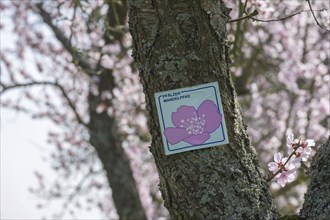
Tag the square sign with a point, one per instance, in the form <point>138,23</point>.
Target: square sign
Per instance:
<point>191,118</point>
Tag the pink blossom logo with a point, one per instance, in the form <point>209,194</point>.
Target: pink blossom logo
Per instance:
<point>194,126</point>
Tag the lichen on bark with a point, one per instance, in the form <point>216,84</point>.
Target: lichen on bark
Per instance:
<point>317,198</point>
<point>183,44</point>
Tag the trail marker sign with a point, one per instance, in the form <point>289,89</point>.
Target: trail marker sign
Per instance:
<point>191,118</point>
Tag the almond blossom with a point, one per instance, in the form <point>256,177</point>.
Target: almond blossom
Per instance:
<point>285,177</point>
<point>283,169</point>
<point>301,149</point>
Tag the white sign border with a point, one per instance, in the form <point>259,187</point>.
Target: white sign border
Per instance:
<point>160,95</point>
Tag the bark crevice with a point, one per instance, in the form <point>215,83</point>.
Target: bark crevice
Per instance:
<point>215,183</point>
<point>317,199</point>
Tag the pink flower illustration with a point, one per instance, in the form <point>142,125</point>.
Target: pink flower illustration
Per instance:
<point>193,126</point>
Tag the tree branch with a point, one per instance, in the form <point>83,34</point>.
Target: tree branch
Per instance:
<point>70,103</point>
<point>76,192</point>
<point>254,13</point>
<point>317,22</point>
<point>43,83</point>
<point>282,18</point>
<point>286,17</point>
<point>65,41</point>
<point>20,85</point>
<point>292,97</point>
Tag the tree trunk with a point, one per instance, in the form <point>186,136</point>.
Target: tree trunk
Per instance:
<point>102,128</point>
<point>104,137</point>
<point>317,198</point>
<point>104,134</point>
<point>179,44</point>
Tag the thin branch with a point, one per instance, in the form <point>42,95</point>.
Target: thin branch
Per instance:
<point>64,40</point>
<point>76,192</point>
<point>43,83</point>
<point>245,4</point>
<point>73,20</point>
<point>254,13</point>
<point>20,85</point>
<point>311,91</point>
<point>286,17</point>
<point>317,22</point>
<point>287,160</point>
<point>70,103</point>
<point>292,97</point>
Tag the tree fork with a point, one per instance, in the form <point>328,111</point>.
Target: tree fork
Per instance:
<point>179,44</point>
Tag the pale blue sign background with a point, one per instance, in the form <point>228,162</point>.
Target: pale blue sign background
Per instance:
<point>169,101</point>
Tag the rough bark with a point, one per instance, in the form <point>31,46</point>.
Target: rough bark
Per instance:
<point>180,43</point>
<point>317,198</point>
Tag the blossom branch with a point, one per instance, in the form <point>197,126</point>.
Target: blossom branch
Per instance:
<point>64,40</point>
<point>73,20</point>
<point>279,171</point>
<point>245,4</point>
<point>20,85</point>
<point>284,18</point>
<point>70,103</point>
<point>317,22</point>
<point>292,100</point>
<point>284,171</point>
<point>254,13</point>
<point>76,191</point>
<point>45,83</point>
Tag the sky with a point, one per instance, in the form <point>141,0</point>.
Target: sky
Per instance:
<point>23,146</point>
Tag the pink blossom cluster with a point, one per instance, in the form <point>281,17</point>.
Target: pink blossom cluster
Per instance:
<point>281,69</point>
<point>281,75</point>
<point>284,168</point>
<point>33,54</point>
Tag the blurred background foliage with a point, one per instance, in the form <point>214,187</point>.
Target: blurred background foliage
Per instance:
<point>62,53</point>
